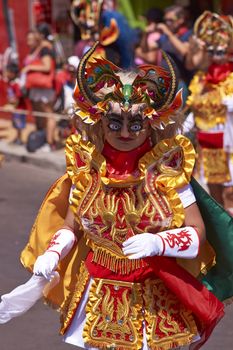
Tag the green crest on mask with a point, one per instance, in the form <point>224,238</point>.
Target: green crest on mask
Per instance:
<point>127,93</point>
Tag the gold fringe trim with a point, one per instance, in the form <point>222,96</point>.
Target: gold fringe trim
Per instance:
<point>115,263</point>
<point>173,344</point>
<point>72,301</point>
<point>96,344</point>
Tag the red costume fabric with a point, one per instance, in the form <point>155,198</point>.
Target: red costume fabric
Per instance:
<point>218,72</point>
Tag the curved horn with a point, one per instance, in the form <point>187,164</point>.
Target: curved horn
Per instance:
<point>173,85</point>
<point>81,79</point>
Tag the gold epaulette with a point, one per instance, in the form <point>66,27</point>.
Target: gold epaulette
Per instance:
<point>226,86</point>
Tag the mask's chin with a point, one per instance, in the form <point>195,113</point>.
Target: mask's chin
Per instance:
<point>123,146</point>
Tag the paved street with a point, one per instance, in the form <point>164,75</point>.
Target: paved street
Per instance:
<point>22,188</point>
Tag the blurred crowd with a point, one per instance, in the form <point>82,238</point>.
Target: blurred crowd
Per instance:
<point>43,85</point>
<point>45,82</point>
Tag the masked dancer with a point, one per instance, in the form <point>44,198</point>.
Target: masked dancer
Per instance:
<point>123,227</point>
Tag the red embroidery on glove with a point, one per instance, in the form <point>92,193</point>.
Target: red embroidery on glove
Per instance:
<point>53,240</point>
<point>181,239</point>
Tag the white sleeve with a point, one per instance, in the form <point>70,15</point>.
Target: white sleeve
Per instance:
<point>187,196</point>
<point>189,123</point>
<point>23,297</point>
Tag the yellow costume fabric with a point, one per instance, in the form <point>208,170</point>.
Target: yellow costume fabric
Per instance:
<point>49,219</point>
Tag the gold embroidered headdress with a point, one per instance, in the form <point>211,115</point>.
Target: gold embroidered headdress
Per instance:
<point>215,30</point>
<point>154,86</point>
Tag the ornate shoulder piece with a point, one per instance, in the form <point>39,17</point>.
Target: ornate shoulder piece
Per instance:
<point>167,168</point>
<point>195,87</point>
<point>81,156</point>
<point>78,156</point>
<point>226,86</point>
<point>82,160</point>
<point>78,160</point>
<point>176,159</point>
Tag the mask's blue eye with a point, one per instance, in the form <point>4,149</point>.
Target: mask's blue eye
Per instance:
<point>114,126</point>
<point>135,127</point>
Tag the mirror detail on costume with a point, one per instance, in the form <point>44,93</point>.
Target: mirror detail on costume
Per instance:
<point>122,227</point>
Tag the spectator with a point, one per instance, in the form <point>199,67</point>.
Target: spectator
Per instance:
<point>147,51</point>
<point>66,80</point>
<point>109,27</point>
<point>45,34</point>
<point>52,41</point>
<point>68,88</point>
<point>175,38</point>
<point>197,56</point>
<point>39,69</point>
<point>16,100</point>
<point>123,47</point>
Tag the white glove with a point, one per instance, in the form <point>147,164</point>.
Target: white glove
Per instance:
<point>142,246</point>
<point>23,297</point>
<point>179,243</point>
<point>45,265</point>
<point>228,102</point>
<point>59,246</point>
<point>188,123</point>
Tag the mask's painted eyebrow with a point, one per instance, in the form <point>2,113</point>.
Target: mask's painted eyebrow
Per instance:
<point>136,117</point>
<point>115,116</point>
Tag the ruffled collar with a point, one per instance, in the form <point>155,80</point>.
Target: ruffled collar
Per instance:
<point>218,72</point>
<point>121,164</point>
<point>113,170</point>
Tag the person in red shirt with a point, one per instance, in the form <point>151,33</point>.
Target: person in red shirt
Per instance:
<point>16,99</point>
